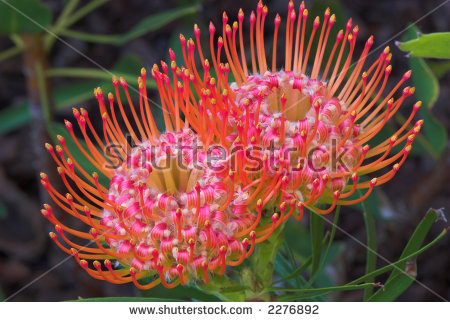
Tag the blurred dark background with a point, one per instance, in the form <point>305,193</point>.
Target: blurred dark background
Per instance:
<point>26,252</point>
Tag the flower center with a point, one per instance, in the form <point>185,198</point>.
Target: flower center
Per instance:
<point>174,208</point>
<point>311,131</point>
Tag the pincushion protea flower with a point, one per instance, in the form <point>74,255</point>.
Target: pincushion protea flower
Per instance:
<point>310,129</point>
<point>279,131</point>
<point>171,210</point>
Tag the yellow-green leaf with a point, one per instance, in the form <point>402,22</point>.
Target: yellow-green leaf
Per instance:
<point>435,45</point>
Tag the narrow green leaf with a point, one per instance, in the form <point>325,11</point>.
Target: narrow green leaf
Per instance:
<point>293,264</point>
<point>147,25</point>
<point>84,11</point>
<point>404,275</point>
<point>13,117</point>
<point>392,289</point>
<point>23,17</point>
<point>125,299</point>
<point>49,38</point>
<point>297,272</point>
<point>317,228</point>
<point>402,261</point>
<point>371,252</point>
<point>435,45</point>
<point>157,21</point>
<point>306,262</point>
<point>417,238</point>
<point>308,293</point>
<point>10,52</point>
<point>327,250</point>
<point>72,95</point>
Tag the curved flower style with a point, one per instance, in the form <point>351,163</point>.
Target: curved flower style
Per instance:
<point>311,129</point>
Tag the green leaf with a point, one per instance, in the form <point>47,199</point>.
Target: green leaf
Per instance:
<point>157,21</point>
<point>16,116</point>
<point>307,261</point>
<point>418,236</point>
<point>10,52</point>
<point>435,131</point>
<point>297,272</point>
<point>371,252</point>
<point>147,25</point>
<point>427,90</point>
<point>427,86</point>
<point>301,294</point>
<point>317,228</point>
<point>439,69</point>
<point>23,17</point>
<point>324,259</point>
<point>13,117</point>
<point>72,95</point>
<point>288,270</point>
<point>125,299</point>
<point>404,275</point>
<point>436,45</point>
<point>392,289</point>
<point>83,11</point>
<point>404,270</point>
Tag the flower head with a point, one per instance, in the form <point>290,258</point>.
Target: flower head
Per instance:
<point>310,121</point>
<point>191,200</point>
<point>171,210</point>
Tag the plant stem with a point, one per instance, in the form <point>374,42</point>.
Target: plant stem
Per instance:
<point>40,106</point>
<point>10,52</point>
<point>49,40</point>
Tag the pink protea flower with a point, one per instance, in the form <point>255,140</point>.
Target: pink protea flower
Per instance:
<point>309,124</point>
<point>268,140</point>
<point>171,210</point>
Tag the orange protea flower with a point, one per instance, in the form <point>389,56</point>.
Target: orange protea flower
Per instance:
<point>310,130</point>
<point>200,196</point>
<point>173,209</point>
<point>165,211</point>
